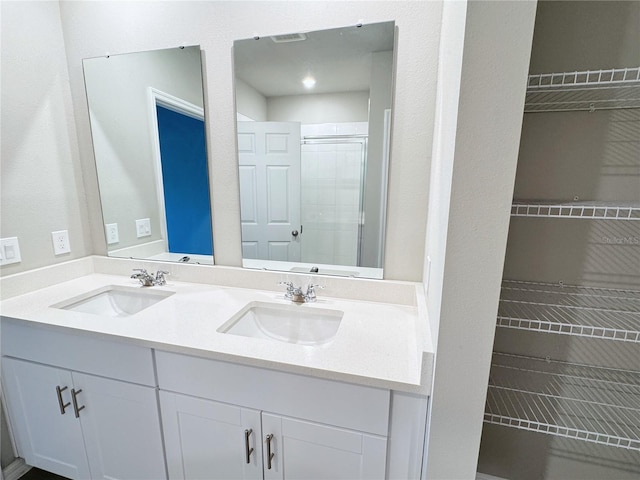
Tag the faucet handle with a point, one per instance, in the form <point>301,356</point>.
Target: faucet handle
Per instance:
<point>141,273</point>
<point>290,289</point>
<point>310,296</point>
<point>160,280</point>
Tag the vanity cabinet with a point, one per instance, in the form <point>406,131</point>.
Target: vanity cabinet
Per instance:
<point>310,450</point>
<point>70,421</point>
<point>223,420</point>
<point>207,439</point>
<point>46,438</point>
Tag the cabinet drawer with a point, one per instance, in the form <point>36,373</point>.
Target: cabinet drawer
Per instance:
<point>57,347</point>
<point>350,406</point>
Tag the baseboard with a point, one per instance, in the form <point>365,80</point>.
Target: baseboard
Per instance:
<point>484,476</point>
<point>15,470</point>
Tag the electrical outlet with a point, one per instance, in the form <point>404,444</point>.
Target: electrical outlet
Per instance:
<point>61,242</point>
<point>112,233</point>
<point>143,227</point>
<point>9,251</point>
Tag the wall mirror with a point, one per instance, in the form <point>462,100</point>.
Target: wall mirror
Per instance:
<point>147,124</point>
<point>314,126</point>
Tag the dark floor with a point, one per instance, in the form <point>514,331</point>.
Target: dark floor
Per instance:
<point>37,474</point>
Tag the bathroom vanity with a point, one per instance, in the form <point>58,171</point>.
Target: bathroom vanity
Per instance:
<point>171,391</point>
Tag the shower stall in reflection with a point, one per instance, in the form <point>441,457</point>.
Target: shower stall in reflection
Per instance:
<point>332,195</point>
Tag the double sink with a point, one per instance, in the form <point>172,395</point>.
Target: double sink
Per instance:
<point>290,323</point>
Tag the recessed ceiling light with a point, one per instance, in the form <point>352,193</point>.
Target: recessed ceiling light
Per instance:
<point>309,82</point>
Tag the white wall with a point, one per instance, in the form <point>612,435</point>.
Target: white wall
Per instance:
<point>484,150</point>
<point>562,46</point>
<point>250,102</point>
<point>42,188</point>
<point>444,149</point>
<point>93,28</point>
<point>319,108</point>
<point>118,93</point>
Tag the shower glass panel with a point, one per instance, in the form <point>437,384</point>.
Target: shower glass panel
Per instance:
<point>332,181</point>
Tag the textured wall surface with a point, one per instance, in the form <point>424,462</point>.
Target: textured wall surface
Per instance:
<point>42,188</point>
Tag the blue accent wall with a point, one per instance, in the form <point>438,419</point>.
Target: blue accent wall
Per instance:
<point>185,182</point>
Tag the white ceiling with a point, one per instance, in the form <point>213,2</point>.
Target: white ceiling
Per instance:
<point>339,59</point>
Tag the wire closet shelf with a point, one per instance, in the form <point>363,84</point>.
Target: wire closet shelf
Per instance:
<point>570,310</point>
<point>588,90</point>
<point>592,404</point>
<point>592,210</point>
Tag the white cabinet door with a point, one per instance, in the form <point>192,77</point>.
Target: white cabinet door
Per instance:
<point>304,450</point>
<point>121,426</point>
<point>208,440</point>
<point>46,438</point>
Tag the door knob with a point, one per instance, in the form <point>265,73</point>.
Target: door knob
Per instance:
<point>294,233</point>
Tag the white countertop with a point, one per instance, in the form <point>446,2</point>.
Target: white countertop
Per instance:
<point>377,344</point>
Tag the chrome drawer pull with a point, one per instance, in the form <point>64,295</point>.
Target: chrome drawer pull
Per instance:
<point>76,409</point>
<point>61,403</point>
<point>248,451</point>
<point>269,454</point>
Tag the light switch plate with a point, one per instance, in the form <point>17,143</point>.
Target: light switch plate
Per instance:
<point>143,227</point>
<point>9,251</point>
<point>111,230</point>
<point>60,242</point>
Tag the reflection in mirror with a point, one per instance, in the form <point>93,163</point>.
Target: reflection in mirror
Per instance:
<point>314,123</point>
<point>147,123</point>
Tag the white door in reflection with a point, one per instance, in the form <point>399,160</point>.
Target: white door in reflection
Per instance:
<point>269,161</point>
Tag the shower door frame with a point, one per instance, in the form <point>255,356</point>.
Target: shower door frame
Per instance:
<point>362,139</point>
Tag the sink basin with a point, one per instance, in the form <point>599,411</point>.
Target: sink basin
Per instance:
<point>114,301</point>
<point>285,323</point>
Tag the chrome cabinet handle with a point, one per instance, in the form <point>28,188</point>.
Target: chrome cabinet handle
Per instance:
<point>269,454</point>
<point>294,233</point>
<point>61,403</point>
<point>247,449</point>
<point>74,395</point>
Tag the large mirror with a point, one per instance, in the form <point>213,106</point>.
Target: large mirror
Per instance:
<point>147,123</point>
<point>314,125</point>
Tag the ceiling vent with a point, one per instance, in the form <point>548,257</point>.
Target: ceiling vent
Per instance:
<point>289,37</point>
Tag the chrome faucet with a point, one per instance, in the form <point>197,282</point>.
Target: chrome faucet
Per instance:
<point>148,280</point>
<point>296,295</point>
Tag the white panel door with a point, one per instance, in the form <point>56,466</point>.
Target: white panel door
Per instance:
<point>305,450</point>
<point>121,426</point>
<point>208,440</point>
<point>46,438</point>
<point>269,158</point>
